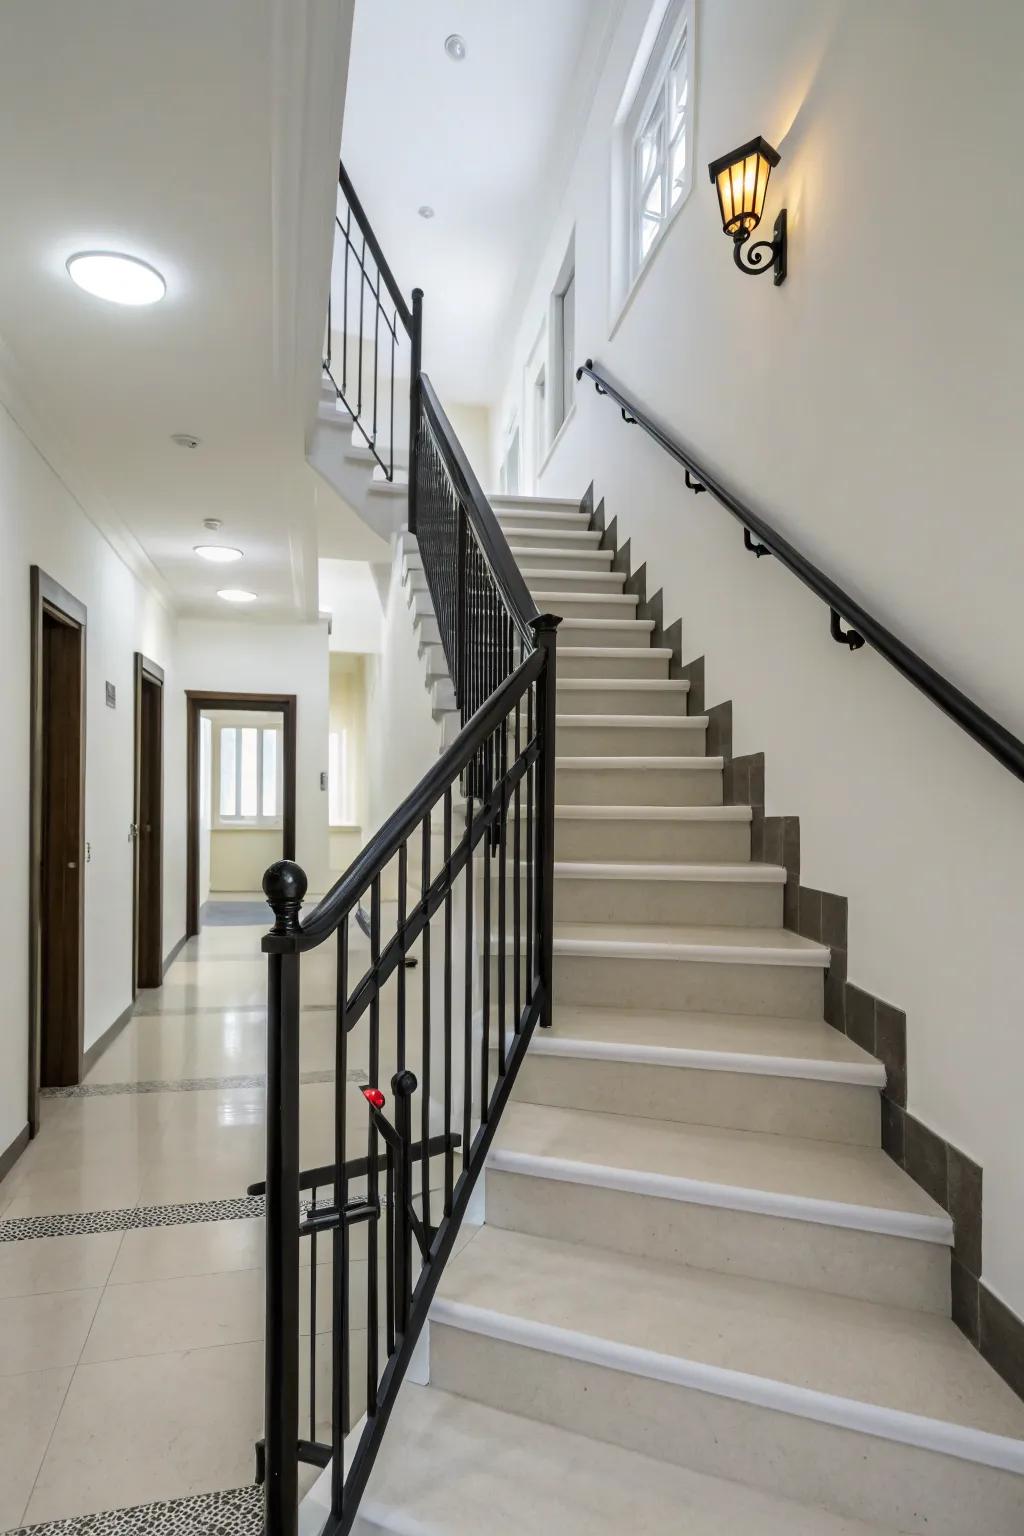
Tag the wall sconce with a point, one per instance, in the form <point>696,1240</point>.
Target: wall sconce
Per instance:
<point>741,181</point>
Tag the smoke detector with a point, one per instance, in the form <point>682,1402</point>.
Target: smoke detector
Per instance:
<point>455,47</point>
<point>212,524</point>
<point>184,440</point>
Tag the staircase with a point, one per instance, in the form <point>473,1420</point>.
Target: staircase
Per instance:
<point>703,1300</point>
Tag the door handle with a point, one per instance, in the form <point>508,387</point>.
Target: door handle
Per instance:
<point>72,864</point>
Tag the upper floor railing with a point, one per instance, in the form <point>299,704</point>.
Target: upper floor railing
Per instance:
<point>760,538</point>
<point>380,1163</point>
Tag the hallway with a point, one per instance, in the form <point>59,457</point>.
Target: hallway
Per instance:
<point>131,1282</point>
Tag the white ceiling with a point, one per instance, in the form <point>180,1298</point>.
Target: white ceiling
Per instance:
<point>176,132</point>
<point>482,142</point>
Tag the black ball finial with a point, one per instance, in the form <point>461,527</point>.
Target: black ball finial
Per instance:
<point>284,886</point>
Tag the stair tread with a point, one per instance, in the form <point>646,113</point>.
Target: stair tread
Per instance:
<point>626,684</point>
<point>458,1467</point>
<point>777,946</point>
<point>756,1161</point>
<point>617,869</point>
<point>890,1357</point>
<point>650,812</point>
<point>636,722</point>
<point>797,1040</point>
<point>587,764</point>
<point>626,652</point>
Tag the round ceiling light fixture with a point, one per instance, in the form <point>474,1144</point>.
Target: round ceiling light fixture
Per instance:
<point>425,211</point>
<point>115,277</point>
<point>236,595</point>
<point>217,554</point>
<point>186,440</point>
<point>455,47</point>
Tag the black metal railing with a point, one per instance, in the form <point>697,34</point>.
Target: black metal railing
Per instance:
<point>760,538</point>
<point>376,331</point>
<point>460,879</point>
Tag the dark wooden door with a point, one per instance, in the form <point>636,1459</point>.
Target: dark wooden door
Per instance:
<point>61,887</point>
<point>149,711</point>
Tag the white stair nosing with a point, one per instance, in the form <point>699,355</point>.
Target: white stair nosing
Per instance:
<point>597,555</point>
<point>626,685</point>
<point>880,1220</point>
<point>559,504</point>
<point>555,573</point>
<point>939,1436</point>
<point>636,722</point>
<point>653,812</point>
<point>868,1074</point>
<point>621,599</point>
<point>718,874</point>
<point>814,956</point>
<point>617,764</point>
<point>620,652</point>
<point>618,625</point>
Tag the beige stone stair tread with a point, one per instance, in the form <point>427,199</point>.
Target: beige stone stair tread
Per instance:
<point>756,1161</point>
<point>894,1358</point>
<point>453,1467</point>
<point>769,945</point>
<point>795,1039</point>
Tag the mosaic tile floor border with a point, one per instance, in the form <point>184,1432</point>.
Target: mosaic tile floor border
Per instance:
<point>190,1084</point>
<point>129,1218</point>
<point>234,1512</point>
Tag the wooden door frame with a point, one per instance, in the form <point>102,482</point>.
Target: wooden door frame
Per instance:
<point>47,595</point>
<point>144,668</point>
<point>196,700</point>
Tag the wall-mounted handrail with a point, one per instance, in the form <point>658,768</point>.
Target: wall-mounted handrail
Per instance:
<point>865,629</point>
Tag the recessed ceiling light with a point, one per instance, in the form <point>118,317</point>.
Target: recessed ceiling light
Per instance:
<point>236,595</point>
<point>219,554</point>
<point>425,211</point>
<point>455,47</point>
<point>119,279</point>
<point>186,440</point>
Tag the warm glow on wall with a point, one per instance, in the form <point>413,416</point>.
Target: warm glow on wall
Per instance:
<point>741,181</point>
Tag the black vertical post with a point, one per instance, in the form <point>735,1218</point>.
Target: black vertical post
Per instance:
<point>284,885</point>
<point>546,630</point>
<point>415,360</point>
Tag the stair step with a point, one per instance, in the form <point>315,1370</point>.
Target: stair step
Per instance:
<point>734,895</point>
<point>611,696</point>
<point>664,833</point>
<point>585,558</point>
<point>587,605</point>
<point>876,1412</point>
<point>556,579</point>
<point>509,1475</point>
<point>612,661</point>
<point>638,781</point>
<point>537,534</point>
<point>791,1077</point>
<point>608,735</point>
<point>620,633</point>
<point>526,519</point>
<point>810,1212</point>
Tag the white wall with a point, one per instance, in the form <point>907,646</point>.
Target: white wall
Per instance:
<point>42,524</point>
<point>349,594</point>
<point>871,406</point>
<point>238,655</point>
<point>205,804</point>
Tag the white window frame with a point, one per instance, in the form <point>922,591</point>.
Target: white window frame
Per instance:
<point>562,329</point>
<point>341,781</point>
<point>224,821</point>
<point>647,99</point>
<point>511,470</point>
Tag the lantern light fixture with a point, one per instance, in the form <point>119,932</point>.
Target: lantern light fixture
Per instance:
<point>741,181</point>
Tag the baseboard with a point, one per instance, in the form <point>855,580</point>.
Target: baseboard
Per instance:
<point>174,953</point>
<point>9,1156</point>
<point>109,1035</point>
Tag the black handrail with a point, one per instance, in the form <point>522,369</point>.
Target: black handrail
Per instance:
<point>398,298</point>
<point>1006,748</point>
<point>492,542</point>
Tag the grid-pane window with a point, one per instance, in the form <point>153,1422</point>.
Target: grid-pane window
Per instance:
<point>660,138</point>
<point>249,774</point>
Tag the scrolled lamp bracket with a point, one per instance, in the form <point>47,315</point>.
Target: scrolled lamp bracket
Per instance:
<point>763,255</point>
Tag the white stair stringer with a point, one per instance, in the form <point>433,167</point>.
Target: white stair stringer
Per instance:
<point>703,1299</point>
<point>431,652</point>
<point>338,453</point>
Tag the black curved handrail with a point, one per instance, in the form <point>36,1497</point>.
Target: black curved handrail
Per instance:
<point>373,244</point>
<point>1006,748</point>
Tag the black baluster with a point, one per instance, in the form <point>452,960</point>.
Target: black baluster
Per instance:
<point>425,1063</point>
<point>340,1365</point>
<point>467,1022</point>
<point>373,1174</point>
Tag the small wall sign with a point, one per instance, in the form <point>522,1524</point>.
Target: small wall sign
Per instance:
<point>111,696</point>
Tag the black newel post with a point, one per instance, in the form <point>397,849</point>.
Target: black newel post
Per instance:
<point>284,886</point>
<point>546,630</point>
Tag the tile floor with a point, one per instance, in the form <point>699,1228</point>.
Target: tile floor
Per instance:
<point>131,1359</point>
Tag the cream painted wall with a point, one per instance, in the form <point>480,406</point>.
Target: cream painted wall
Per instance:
<point>871,406</point>
<point>348,713</point>
<point>270,658</point>
<point>240,855</point>
<point>41,523</point>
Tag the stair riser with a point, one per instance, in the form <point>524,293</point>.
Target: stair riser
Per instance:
<point>553,538</point>
<point>867,1266</point>
<point>638,786</point>
<point>780,991</point>
<point>636,636</point>
<point>621,701</point>
<point>586,740</point>
<point>729,903</point>
<point>862,1476</point>
<point>586,583</point>
<point>428,631</point>
<point>638,666</point>
<point>571,605</point>
<point>582,563</point>
<point>525,523</point>
<point>669,842</point>
<point>741,1101</point>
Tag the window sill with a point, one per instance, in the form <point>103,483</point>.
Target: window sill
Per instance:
<point>570,413</point>
<point>345,826</point>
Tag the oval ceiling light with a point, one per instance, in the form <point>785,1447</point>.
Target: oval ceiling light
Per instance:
<point>236,595</point>
<point>118,279</point>
<point>455,47</point>
<point>425,211</point>
<point>218,554</point>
